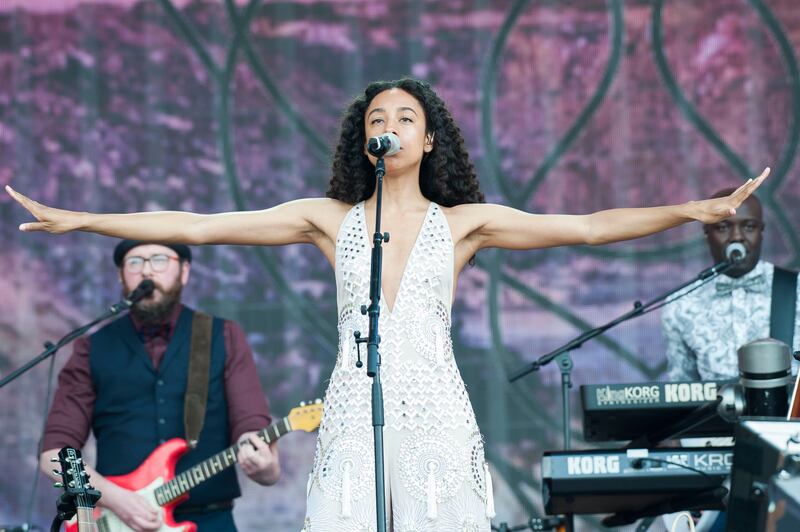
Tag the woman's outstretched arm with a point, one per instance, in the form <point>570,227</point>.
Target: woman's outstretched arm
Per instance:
<point>299,221</point>
<point>504,227</point>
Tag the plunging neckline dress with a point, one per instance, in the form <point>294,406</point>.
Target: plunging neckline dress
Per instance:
<point>436,475</point>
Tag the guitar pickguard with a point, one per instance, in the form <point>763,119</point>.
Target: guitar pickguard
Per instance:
<point>107,521</point>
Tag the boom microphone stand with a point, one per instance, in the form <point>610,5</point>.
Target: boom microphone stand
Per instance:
<point>377,146</point>
<point>144,289</point>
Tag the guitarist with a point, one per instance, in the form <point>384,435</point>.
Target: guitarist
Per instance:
<point>127,382</point>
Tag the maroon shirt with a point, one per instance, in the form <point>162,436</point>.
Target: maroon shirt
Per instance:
<point>70,417</point>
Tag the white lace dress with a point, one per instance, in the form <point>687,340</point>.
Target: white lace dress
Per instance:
<point>436,475</point>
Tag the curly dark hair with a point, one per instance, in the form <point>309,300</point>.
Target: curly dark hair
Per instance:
<point>446,175</point>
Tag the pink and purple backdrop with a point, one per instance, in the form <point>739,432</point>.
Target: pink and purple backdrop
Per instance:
<point>566,106</point>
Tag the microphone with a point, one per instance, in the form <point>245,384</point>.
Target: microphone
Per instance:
<point>382,145</point>
<point>735,252</point>
<point>144,289</point>
<point>765,371</point>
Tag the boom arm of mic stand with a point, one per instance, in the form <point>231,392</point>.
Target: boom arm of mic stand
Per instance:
<point>637,310</point>
<point>573,344</point>
<point>51,349</point>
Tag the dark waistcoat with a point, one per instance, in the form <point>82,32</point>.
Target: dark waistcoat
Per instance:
<point>138,407</point>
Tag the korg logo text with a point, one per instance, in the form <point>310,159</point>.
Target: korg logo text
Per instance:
<point>628,395</point>
<point>690,392</point>
<point>592,465</point>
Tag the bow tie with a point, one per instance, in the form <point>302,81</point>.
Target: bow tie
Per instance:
<point>756,283</point>
<point>156,330</point>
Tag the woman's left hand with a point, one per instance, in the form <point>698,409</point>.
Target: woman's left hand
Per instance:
<point>713,210</point>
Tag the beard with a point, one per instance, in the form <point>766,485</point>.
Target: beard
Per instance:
<point>150,312</point>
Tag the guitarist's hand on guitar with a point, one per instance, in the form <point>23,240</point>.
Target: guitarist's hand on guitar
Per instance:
<point>258,460</point>
<point>132,508</point>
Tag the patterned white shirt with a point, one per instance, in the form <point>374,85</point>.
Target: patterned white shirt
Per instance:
<point>704,329</point>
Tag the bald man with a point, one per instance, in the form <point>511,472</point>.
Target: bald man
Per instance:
<point>704,329</point>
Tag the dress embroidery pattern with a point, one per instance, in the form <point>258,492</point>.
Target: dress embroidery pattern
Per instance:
<point>477,462</point>
<point>430,331</point>
<point>345,469</point>
<point>431,467</point>
<point>433,454</point>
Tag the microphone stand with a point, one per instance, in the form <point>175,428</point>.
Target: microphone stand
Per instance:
<point>51,348</point>
<point>373,340</point>
<point>565,364</point>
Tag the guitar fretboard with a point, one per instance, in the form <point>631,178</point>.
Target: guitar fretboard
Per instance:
<point>84,508</point>
<point>221,461</point>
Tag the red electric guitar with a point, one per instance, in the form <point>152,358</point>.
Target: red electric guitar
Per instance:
<point>155,479</point>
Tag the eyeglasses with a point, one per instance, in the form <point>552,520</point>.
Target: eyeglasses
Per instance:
<point>159,263</point>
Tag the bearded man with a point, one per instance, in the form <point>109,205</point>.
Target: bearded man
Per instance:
<point>128,381</point>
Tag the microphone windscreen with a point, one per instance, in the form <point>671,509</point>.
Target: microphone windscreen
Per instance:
<point>735,252</point>
<point>383,145</point>
<point>144,289</point>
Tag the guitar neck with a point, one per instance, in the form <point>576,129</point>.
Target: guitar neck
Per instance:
<point>214,465</point>
<point>85,518</point>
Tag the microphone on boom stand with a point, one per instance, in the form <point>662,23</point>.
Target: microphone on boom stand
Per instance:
<point>144,289</point>
<point>735,252</point>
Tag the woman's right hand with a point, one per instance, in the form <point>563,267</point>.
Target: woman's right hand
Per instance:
<point>49,219</point>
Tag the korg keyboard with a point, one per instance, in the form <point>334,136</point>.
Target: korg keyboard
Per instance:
<point>602,481</point>
<point>620,412</point>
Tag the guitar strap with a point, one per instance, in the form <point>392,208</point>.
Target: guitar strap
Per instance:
<point>194,402</point>
<point>784,305</point>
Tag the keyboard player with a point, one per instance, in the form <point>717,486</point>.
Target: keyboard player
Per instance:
<point>703,329</point>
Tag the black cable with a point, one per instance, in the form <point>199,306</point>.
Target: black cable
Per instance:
<point>669,462</point>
